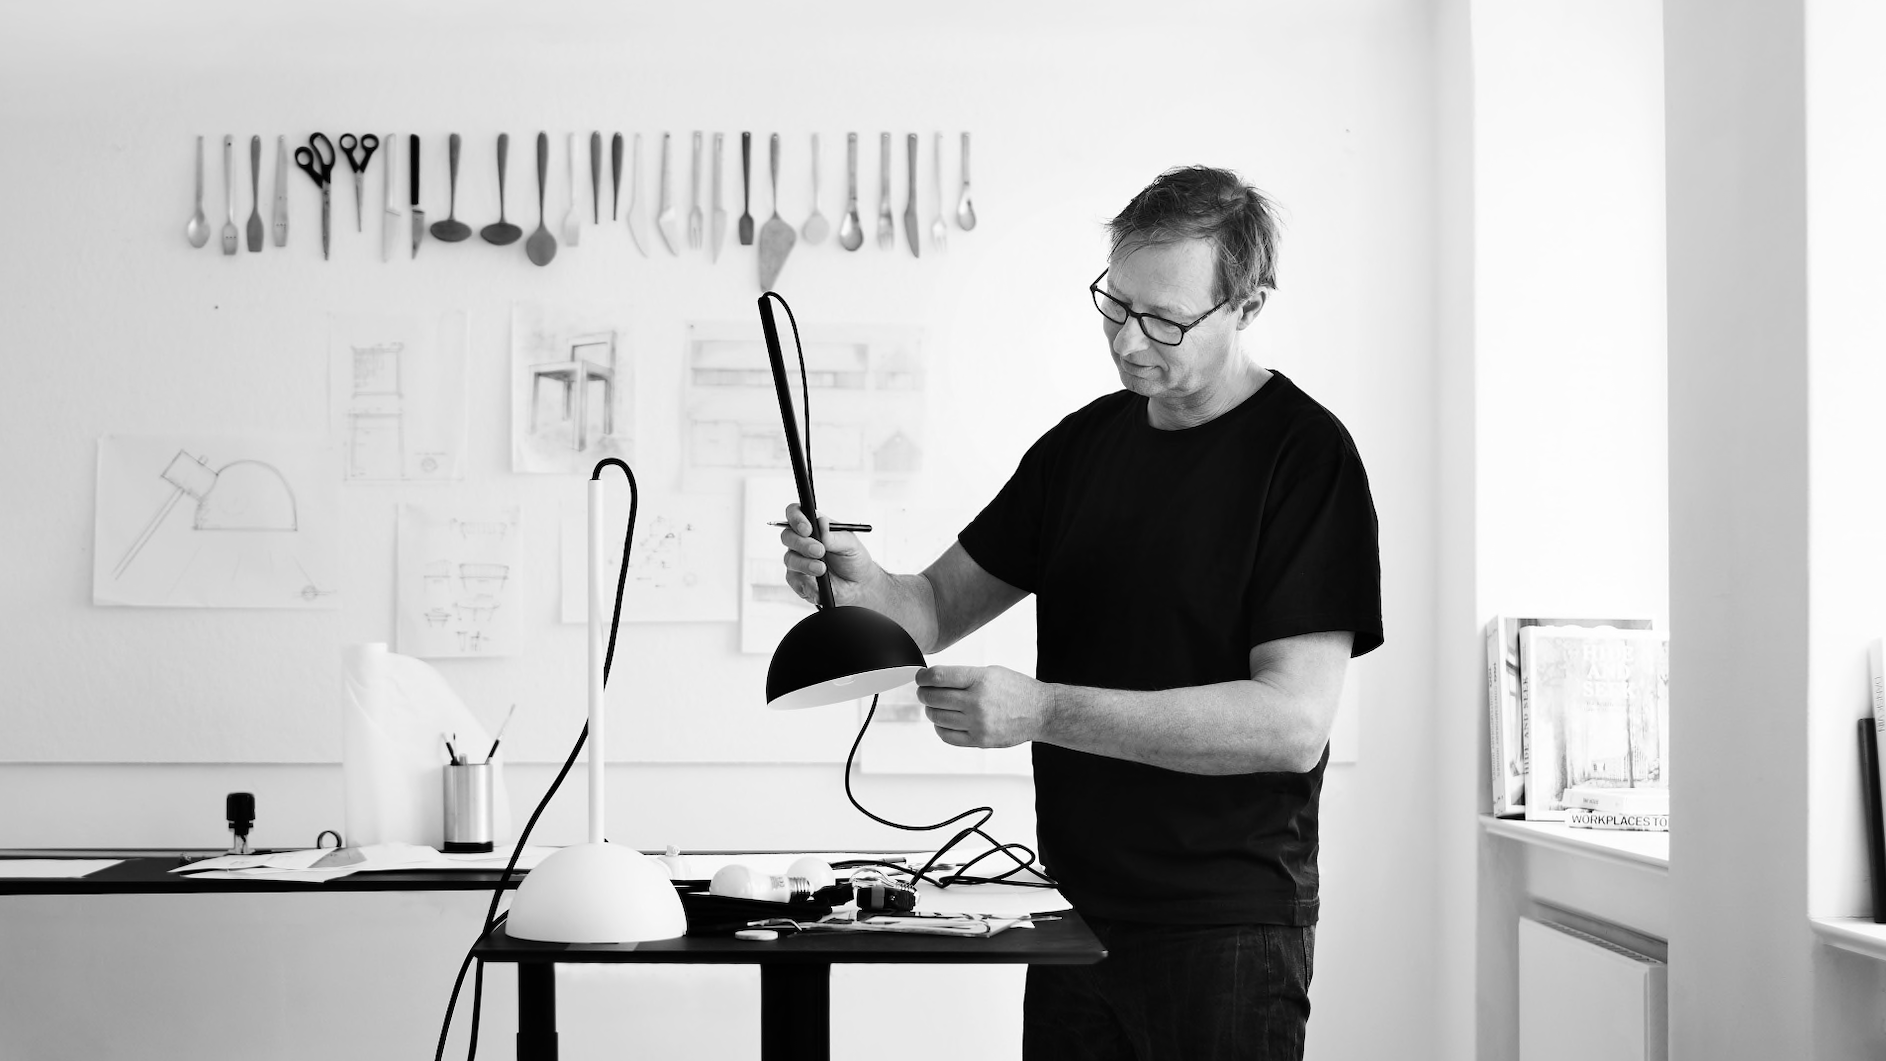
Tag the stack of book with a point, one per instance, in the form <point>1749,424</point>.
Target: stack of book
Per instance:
<point>1579,722</point>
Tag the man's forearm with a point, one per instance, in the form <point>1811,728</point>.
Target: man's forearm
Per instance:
<point>1236,727</point>
<point>908,599</point>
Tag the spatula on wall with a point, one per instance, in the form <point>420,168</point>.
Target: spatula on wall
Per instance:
<point>776,236</point>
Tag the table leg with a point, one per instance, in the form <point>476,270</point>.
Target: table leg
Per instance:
<point>536,1011</point>
<point>796,1012</point>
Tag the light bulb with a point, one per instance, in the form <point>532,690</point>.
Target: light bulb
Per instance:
<point>740,882</point>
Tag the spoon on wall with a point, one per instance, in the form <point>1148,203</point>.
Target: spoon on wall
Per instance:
<point>452,230</point>
<point>850,232</point>
<point>502,232</point>
<point>198,230</point>
<point>541,246</point>
<point>965,210</point>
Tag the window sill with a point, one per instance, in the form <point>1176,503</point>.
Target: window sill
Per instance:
<point>1641,850</point>
<point>1857,934</point>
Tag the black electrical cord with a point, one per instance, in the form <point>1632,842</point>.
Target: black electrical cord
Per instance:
<point>492,917</point>
<point>960,876</point>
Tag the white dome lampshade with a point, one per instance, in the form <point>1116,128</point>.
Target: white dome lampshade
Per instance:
<point>596,892</point>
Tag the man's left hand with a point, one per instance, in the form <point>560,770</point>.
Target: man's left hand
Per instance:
<point>983,707</point>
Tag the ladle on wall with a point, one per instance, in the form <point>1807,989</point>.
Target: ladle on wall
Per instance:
<point>452,230</point>
<point>502,232</point>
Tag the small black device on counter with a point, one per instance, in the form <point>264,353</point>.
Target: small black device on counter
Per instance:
<point>239,808</point>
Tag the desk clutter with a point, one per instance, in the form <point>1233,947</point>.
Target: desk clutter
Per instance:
<point>700,228</point>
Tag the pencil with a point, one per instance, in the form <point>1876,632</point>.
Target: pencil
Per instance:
<point>855,528</point>
<point>500,735</point>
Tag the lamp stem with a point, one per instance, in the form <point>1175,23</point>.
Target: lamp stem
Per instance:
<point>596,659</point>
<point>801,473</point>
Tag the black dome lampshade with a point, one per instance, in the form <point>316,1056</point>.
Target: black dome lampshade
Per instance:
<point>836,653</point>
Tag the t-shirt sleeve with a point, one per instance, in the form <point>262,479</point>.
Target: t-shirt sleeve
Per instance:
<point>1005,537</point>
<point>1318,564</point>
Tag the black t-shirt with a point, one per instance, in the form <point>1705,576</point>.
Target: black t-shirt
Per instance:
<point>1159,559</point>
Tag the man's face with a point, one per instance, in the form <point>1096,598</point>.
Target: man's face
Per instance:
<point>1176,281</point>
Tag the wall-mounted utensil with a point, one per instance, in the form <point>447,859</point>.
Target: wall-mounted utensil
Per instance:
<point>939,231</point>
<point>541,246</point>
<point>667,222</point>
<point>887,231</point>
<point>572,233</point>
<point>776,236</point>
<point>317,160</point>
<point>816,227</point>
<point>502,232</point>
<point>359,151</point>
<point>696,219</point>
<point>746,189</point>
<point>412,186</point>
<point>451,230</point>
<point>850,232</point>
<point>615,175</point>
<point>965,210</point>
<point>280,221</point>
<point>389,214</point>
<point>254,231</point>
<point>910,197</point>
<point>229,194</point>
<point>635,197</point>
<point>197,231</point>
<point>595,178</point>
<point>718,223</point>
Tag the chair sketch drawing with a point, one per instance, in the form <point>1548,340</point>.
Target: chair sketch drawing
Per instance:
<point>592,359</point>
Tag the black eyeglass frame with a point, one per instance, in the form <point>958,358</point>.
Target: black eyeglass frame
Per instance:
<point>1098,294</point>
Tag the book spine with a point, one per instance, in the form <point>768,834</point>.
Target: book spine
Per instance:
<point>1647,823</point>
<point>1870,803</point>
<point>1876,690</point>
<point>1605,803</point>
<point>1496,735</point>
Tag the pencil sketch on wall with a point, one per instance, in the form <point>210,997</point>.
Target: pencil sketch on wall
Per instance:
<point>397,396</point>
<point>458,580</point>
<point>572,388</point>
<point>867,399</point>
<point>683,564</point>
<point>202,521</point>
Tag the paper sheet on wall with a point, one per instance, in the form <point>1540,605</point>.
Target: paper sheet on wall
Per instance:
<point>867,386</point>
<point>396,402</point>
<point>206,521</point>
<point>460,579</point>
<point>572,388</point>
<point>683,565</point>
<point>393,710</point>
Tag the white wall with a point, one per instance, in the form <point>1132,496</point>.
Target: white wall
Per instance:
<point>116,325</point>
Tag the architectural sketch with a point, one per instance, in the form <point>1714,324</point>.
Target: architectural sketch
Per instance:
<point>258,531</point>
<point>458,591</point>
<point>867,397</point>
<point>683,564</point>
<point>572,388</point>
<point>397,396</point>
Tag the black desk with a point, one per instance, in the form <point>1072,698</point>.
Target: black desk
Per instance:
<point>795,970</point>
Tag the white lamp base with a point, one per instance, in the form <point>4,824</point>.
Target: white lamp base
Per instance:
<point>597,893</point>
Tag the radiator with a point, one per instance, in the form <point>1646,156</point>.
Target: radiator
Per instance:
<point>1581,998</point>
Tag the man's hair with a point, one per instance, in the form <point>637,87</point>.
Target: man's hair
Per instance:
<point>1201,202</point>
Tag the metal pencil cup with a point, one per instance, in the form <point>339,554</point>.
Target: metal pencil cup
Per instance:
<point>468,807</point>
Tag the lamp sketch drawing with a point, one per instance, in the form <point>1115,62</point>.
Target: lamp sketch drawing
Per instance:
<point>243,495</point>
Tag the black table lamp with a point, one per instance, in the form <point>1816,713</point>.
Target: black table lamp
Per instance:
<point>837,653</point>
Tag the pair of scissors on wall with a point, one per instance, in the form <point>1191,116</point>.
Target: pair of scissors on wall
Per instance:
<point>317,161</point>
<point>359,151</point>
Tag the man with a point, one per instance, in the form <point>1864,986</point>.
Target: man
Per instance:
<point>1202,546</point>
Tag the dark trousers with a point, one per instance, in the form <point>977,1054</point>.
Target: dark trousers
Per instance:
<point>1175,993</point>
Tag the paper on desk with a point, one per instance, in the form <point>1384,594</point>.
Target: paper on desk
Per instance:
<point>328,863</point>
<point>996,900</point>
<point>393,710</point>
<point>272,861</point>
<point>22,868</point>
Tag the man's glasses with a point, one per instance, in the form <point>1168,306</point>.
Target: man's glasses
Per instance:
<point>1158,329</point>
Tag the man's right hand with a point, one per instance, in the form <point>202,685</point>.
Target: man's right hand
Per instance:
<point>806,559</point>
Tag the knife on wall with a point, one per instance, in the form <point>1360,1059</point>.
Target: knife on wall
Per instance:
<point>389,215</point>
<point>412,181</point>
<point>718,224</point>
<point>910,200</point>
<point>280,218</point>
